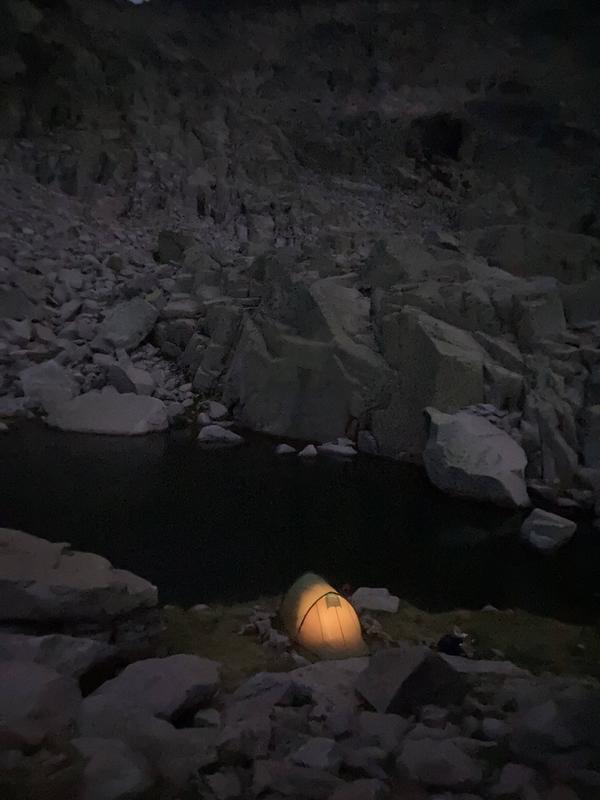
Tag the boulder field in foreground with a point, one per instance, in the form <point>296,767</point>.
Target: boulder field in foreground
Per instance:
<point>406,721</point>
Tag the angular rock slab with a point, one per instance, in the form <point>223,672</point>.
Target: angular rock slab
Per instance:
<point>109,412</point>
<point>469,457</point>
<point>128,324</point>
<point>164,687</point>
<point>547,532</point>
<point>439,764</point>
<point>402,679</point>
<point>43,581</point>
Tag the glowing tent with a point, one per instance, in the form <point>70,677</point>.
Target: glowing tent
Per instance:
<point>319,619</point>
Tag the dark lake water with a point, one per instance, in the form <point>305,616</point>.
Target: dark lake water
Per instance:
<point>237,524</point>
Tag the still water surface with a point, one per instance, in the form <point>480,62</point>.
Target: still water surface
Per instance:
<point>237,524</point>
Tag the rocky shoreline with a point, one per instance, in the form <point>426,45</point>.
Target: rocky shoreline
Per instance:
<point>84,712</point>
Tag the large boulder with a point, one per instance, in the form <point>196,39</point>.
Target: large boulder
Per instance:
<point>128,324</point>
<point>175,755</point>
<point>36,701</point>
<point>400,680</point>
<point>439,764</point>
<point>288,385</point>
<point>469,457</point>
<point>437,364</point>
<point>547,532</point>
<point>48,384</point>
<point>42,581</point>
<point>67,655</point>
<point>164,687</point>
<point>110,412</point>
<point>113,771</point>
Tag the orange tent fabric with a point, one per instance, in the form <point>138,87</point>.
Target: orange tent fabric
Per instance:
<point>319,619</point>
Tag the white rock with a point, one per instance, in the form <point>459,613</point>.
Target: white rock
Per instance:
<point>469,457</point>
<point>48,384</point>
<point>203,419</point>
<point>67,655</point>
<point>284,450</point>
<point>547,532</point>
<point>367,599</point>
<point>308,452</point>
<point>3,427</point>
<point>163,687</point>
<point>41,580</point>
<point>109,412</point>
<point>216,435</point>
<point>320,753</point>
<point>112,770</point>
<point>333,449</point>
<point>199,608</point>
<point>216,411</point>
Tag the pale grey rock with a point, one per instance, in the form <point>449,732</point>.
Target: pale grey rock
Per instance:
<point>216,435</point>
<point>469,457</point>
<point>385,731</point>
<point>175,755</point>
<point>367,443</point>
<point>128,323</point>
<point>41,581</point>
<point>109,412</point>
<point>130,379</point>
<point>482,666</point>
<point>164,687</point>
<point>207,718</point>
<point>547,532</point>
<point>400,679</point>
<point>334,449</point>
<point>362,789</point>
<point>48,385</point>
<point>35,701</point>
<point>513,779</point>
<point>112,770</point>
<point>225,785</point>
<point>308,452</point>
<point>437,365</point>
<point>292,780</point>
<point>203,419</point>
<point>67,655</point>
<point>14,304</point>
<point>319,753</point>
<point>216,411</point>
<point>368,599</point>
<point>181,306</point>
<point>494,729</point>
<point>439,764</point>
<point>285,450</point>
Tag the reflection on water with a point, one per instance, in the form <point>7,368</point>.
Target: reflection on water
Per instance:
<point>235,524</point>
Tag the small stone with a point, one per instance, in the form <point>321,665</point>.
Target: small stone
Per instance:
<point>203,419</point>
<point>308,452</point>
<point>199,608</point>
<point>333,449</point>
<point>217,411</point>
<point>368,599</point>
<point>219,436</point>
<point>284,450</point>
<point>320,753</point>
<point>547,532</point>
<point>207,718</point>
<point>439,763</point>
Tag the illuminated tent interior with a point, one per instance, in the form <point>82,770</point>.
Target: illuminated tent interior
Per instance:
<point>322,621</point>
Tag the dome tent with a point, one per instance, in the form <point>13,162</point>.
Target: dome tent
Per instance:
<point>322,621</point>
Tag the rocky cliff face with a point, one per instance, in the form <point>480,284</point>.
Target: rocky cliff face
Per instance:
<point>336,216</point>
